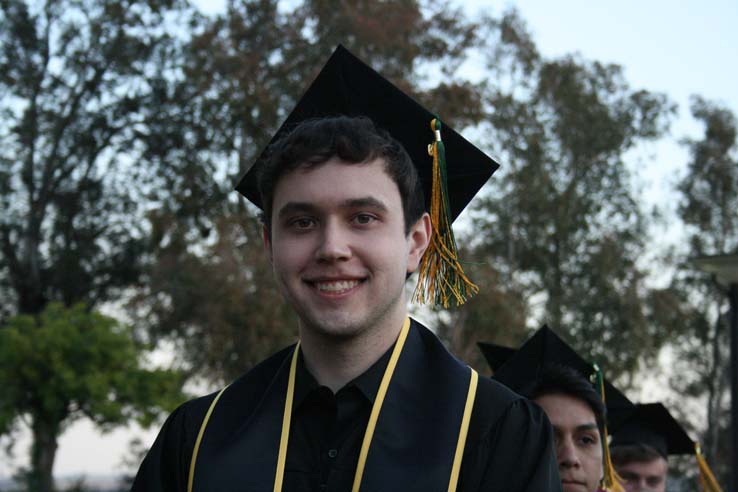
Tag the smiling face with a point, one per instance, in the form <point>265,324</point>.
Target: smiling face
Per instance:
<point>339,249</point>
<point>578,443</point>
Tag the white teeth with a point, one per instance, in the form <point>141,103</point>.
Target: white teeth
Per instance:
<point>339,286</point>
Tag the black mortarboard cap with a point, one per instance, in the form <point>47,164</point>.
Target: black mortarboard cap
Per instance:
<point>651,424</point>
<point>545,348</point>
<point>347,86</point>
<point>496,355</point>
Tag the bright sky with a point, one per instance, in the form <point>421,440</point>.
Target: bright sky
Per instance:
<point>680,48</point>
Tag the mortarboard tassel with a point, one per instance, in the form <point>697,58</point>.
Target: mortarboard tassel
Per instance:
<point>441,280</point>
<point>611,481</point>
<point>708,483</point>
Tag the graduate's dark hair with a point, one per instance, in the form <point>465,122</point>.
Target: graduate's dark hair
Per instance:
<point>561,379</point>
<point>355,140</point>
<point>637,452</point>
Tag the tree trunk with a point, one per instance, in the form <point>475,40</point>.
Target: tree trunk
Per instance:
<point>43,453</point>
<point>713,393</point>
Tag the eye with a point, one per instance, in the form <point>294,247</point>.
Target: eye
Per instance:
<point>302,223</point>
<point>588,440</point>
<point>363,219</point>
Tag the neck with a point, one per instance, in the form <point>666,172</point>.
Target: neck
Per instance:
<point>334,361</point>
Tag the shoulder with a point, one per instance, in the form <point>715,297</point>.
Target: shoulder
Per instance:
<point>496,407</point>
<point>247,389</point>
<point>508,432</point>
<point>166,465</point>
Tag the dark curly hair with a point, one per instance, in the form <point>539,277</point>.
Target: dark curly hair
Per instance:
<point>354,140</point>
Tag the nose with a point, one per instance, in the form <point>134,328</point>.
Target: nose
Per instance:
<point>566,454</point>
<point>334,243</point>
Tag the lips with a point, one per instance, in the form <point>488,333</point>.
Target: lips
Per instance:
<point>336,286</point>
<point>572,483</point>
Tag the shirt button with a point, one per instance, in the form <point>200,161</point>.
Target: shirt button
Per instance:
<point>332,453</point>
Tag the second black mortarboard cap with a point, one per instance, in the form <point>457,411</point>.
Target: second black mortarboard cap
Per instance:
<point>522,369</point>
<point>653,425</point>
<point>495,354</point>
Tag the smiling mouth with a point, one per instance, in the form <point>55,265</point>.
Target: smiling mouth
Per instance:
<point>336,286</point>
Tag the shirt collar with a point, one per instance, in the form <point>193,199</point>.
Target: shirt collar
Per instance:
<point>367,382</point>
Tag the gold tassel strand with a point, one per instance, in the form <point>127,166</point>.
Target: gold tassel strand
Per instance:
<point>441,279</point>
<point>611,481</point>
<point>708,483</point>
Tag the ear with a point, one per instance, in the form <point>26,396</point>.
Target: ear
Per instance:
<point>266,238</point>
<point>418,239</point>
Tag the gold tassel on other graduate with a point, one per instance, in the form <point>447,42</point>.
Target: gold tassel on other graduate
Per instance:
<point>708,483</point>
<point>441,280</point>
<point>611,481</point>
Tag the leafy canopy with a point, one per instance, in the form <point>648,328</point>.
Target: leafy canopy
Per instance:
<point>69,363</point>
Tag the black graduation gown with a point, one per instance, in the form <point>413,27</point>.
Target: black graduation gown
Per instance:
<point>509,445</point>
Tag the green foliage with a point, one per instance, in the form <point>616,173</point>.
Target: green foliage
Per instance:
<point>710,189</point>
<point>563,225</point>
<point>72,363</point>
<point>708,203</point>
<point>69,363</point>
<point>221,305</point>
<point>497,313</point>
<point>80,83</point>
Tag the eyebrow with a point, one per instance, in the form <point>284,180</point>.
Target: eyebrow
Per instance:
<point>364,202</point>
<point>290,208</point>
<point>587,427</point>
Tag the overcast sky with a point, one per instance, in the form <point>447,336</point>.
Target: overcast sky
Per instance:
<point>680,48</point>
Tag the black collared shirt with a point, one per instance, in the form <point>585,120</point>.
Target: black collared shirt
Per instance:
<point>328,430</point>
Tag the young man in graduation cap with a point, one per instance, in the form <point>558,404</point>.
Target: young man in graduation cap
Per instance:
<point>549,372</point>
<point>368,399</point>
<point>642,443</point>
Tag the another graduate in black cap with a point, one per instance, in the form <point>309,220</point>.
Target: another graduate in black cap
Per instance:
<point>641,446</point>
<point>368,399</point>
<point>570,391</point>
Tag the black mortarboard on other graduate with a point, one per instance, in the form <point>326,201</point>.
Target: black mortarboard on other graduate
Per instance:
<point>653,425</point>
<point>523,369</point>
<point>346,86</point>
<point>496,355</point>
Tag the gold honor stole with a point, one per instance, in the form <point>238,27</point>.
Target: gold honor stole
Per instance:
<point>414,439</point>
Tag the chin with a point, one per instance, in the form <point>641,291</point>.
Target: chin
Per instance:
<point>337,327</point>
<point>576,487</point>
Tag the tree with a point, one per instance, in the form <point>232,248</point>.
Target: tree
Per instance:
<point>80,85</point>
<point>708,203</point>
<point>70,363</point>
<point>221,306</point>
<point>497,313</point>
<point>563,224</point>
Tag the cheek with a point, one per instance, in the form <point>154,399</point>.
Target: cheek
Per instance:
<point>287,255</point>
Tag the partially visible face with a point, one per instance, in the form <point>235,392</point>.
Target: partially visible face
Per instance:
<point>339,249</point>
<point>577,439</point>
<point>644,476</point>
